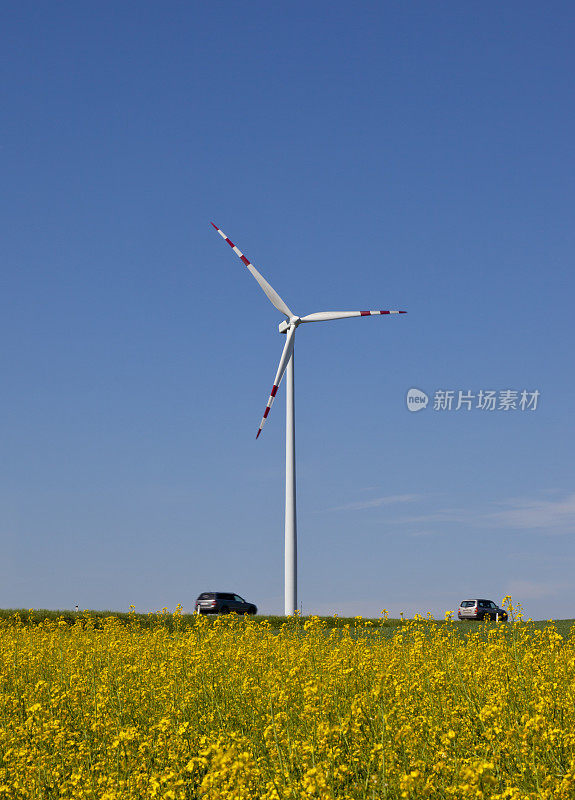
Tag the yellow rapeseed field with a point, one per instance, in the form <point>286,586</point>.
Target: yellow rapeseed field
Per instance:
<point>233,708</point>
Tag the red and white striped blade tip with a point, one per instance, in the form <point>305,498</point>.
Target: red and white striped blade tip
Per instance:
<point>375,313</point>
<point>267,289</point>
<point>222,234</point>
<point>273,393</point>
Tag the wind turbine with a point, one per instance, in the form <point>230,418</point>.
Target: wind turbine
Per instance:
<point>286,365</point>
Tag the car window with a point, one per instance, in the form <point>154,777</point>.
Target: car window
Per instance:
<point>492,604</point>
<point>238,599</point>
<point>225,596</point>
<point>206,596</point>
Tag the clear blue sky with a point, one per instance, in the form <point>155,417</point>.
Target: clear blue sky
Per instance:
<point>376,155</point>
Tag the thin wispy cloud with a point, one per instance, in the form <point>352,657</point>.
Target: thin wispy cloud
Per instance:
<point>526,513</point>
<point>551,516</point>
<point>442,515</point>
<point>376,502</point>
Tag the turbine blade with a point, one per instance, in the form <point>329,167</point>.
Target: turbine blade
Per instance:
<point>269,291</point>
<point>324,316</point>
<point>285,357</point>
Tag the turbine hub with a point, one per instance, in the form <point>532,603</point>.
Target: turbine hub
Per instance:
<point>284,326</point>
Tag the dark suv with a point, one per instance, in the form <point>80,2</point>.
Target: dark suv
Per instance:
<point>480,609</point>
<point>223,603</point>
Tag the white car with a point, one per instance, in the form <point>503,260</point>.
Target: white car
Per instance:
<point>480,609</point>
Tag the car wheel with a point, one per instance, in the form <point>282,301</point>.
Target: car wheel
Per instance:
<point>252,611</point>
<point>224,610</point>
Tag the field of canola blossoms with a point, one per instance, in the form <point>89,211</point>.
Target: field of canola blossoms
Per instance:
<point>233,708</point>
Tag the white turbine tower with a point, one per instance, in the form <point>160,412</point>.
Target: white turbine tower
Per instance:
<point>288,326</point>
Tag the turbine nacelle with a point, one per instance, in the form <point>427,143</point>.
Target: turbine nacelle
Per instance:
<point>284,326</point>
